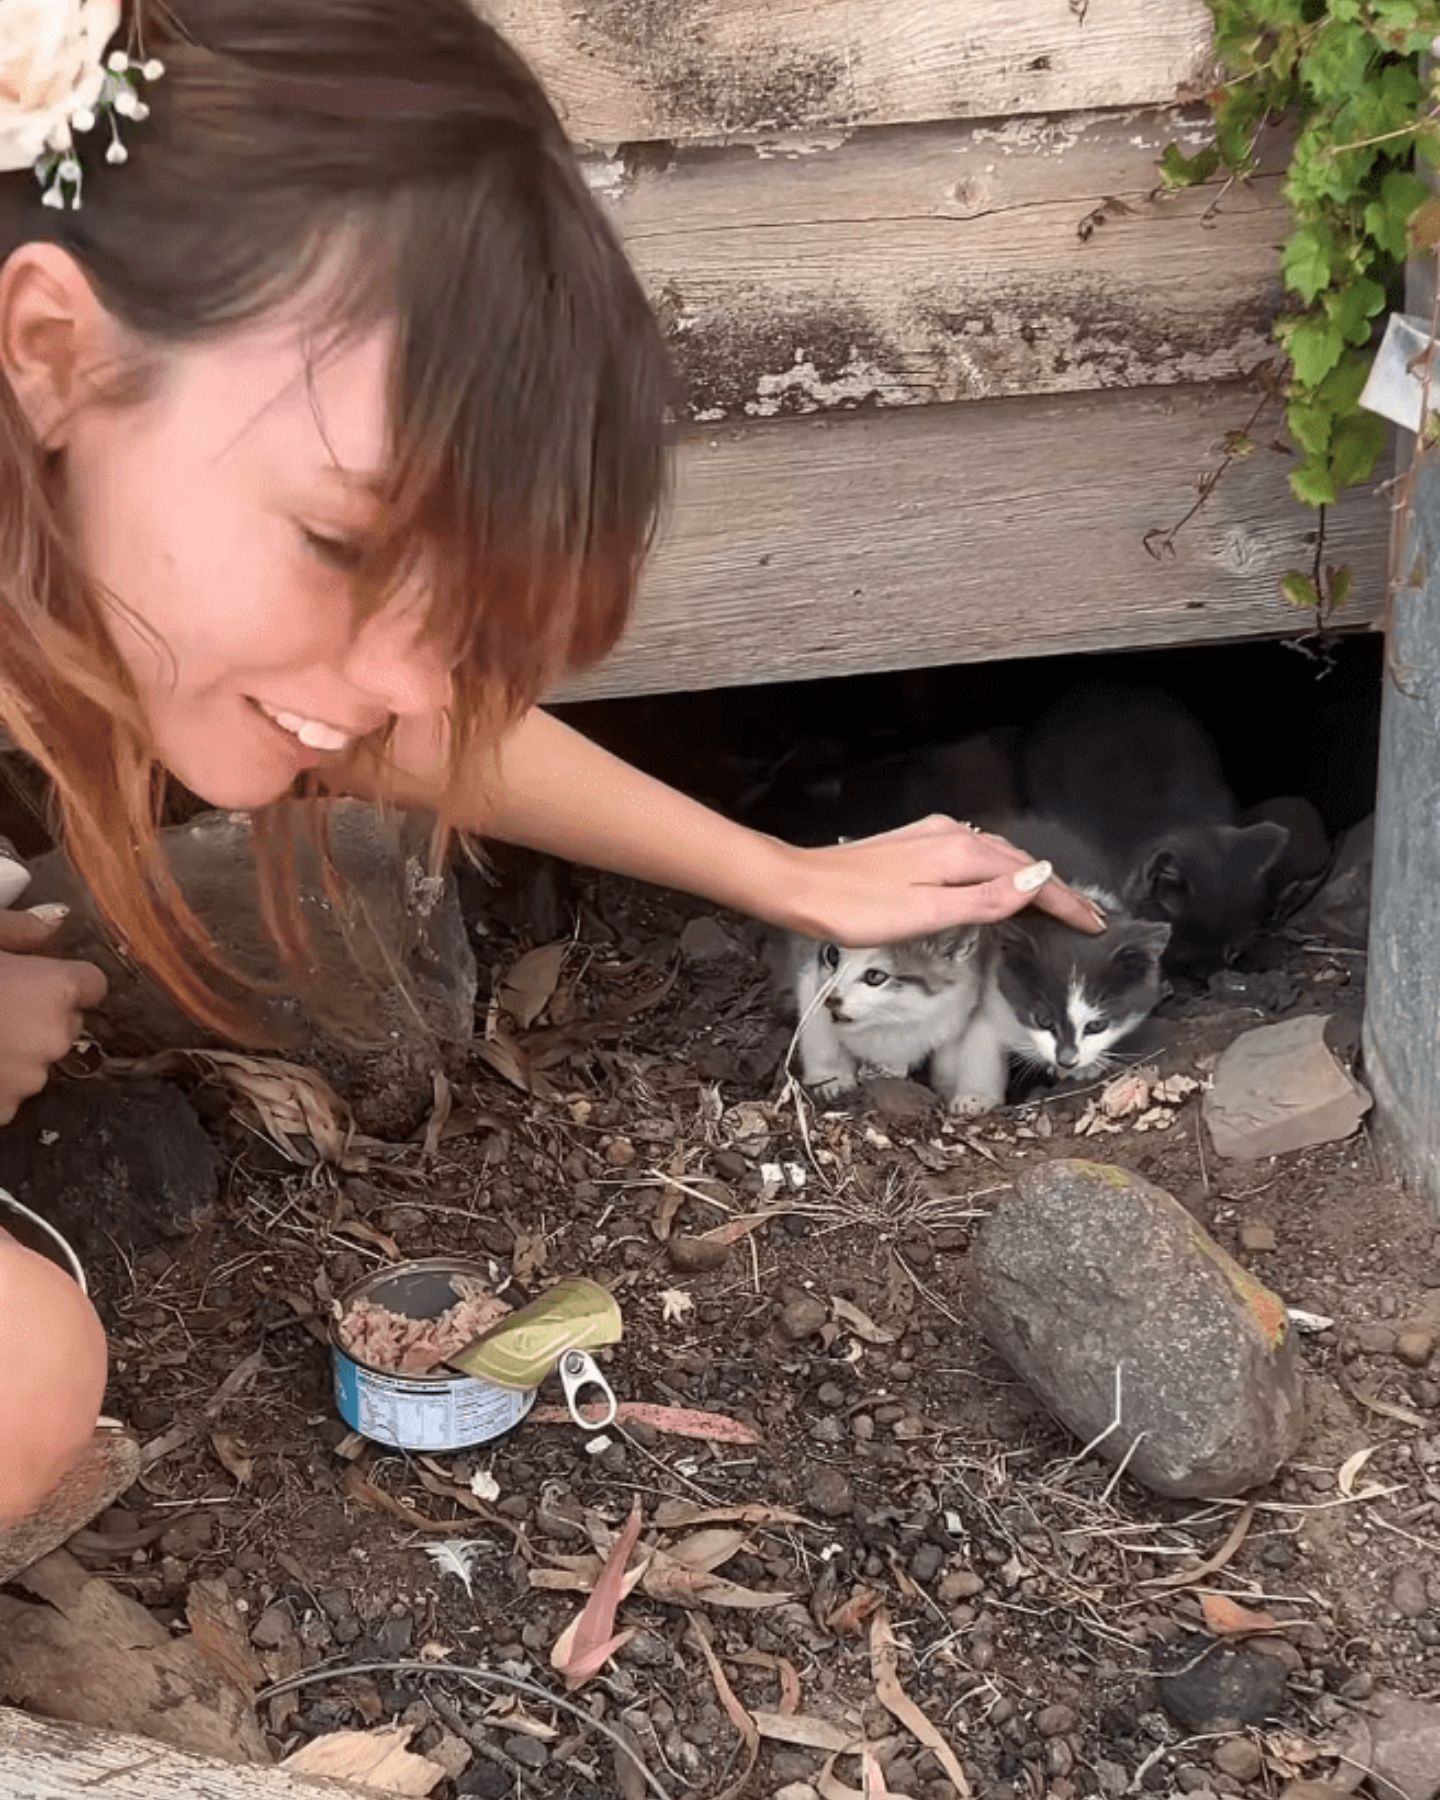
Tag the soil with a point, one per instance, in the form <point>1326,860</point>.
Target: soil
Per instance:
<point>1015,1577</point>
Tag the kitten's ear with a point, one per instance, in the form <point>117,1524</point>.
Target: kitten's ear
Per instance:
<point>1017,945</point>
<point>1138,952</point>
<point>955,946</point>
<point>1161,874</point>
<point>1258,848</point>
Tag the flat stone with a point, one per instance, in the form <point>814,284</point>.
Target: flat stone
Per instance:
<point>529,1752</point>
<point>830,1494</point>
<point>1256,1238</point>
<point>109,1162</point>
<point>899,1100</point>
<point>1415,1345</point>
<point>1278,1089</point>
<point>1225,1690</point>
<point>1340,912</point>
<point>1088,1269</point>
<point>352,1018</point>
<point>1405,1734</point>
<point>273,1629</point>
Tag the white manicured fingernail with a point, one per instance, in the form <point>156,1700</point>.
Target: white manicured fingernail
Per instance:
<point>1031,880</point>
<point>14,879</point>
<point>51,913</point>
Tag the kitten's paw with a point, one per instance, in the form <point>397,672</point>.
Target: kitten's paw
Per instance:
<point>970,1106</point>
<point>833,1087</point>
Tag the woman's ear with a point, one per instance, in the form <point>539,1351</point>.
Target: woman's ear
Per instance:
<point>52,332</point>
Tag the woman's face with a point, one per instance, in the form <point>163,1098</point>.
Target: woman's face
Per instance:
<point>222,513</point>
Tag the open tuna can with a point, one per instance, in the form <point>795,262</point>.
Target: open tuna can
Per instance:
<point>437,1410</point>
<point>479,1365</point>
<point>37,1234</point>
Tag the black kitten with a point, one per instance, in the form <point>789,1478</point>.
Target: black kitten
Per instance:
<point>1134,772</point>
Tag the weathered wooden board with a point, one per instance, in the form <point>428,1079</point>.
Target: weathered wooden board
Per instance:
<point>949,262</point>
<point>626,70</point>
<point>947,534</point>
<point>43,1761</point>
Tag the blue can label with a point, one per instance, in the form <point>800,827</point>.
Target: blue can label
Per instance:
<point>408,1414</point>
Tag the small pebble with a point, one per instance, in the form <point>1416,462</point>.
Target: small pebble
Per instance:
<point>1240,1758</point>
<point>1375,1340</point>
<point>1255,1237</point>
<point>863,1427</point>
<point>926,1563</point>
<point>529,1752</point>
<point>831,1394</point>
<point>960,1584</point>
<point>1408,1595</point>
<point>1415,1346</point>
<point>273,1629</point>
<point>1055,1721</point>
<point>620,1153</point>
<point>803,1317</point>
<point>831,1494</point>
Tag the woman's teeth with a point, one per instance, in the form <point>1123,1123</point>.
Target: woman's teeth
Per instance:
<point>311,733</point>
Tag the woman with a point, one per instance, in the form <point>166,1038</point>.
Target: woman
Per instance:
<point>331,439</point>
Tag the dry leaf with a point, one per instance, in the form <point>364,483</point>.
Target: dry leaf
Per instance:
<point>1387,1409</point>
<point>734,1711</point>
<point>236,1382</point>
<point>733,1231</point>
<point>1225,1617</point>
<point>370,1759</point>
<point>358,1488</point>
<point>831,1787</point>
<point>675,1515</point>
<point>671,1581</point>
<point>512,1062</point>
<point>590,1640</point>
<point>670,1202</point>
<point>676,1306</point>
<point>709,1549</point>
<point>782,1666</point>
<point>87,1654</point>
<point>849,1617</point>
<point>529,1256</point>
<point>860,1323</point>
<point>232,1458</point>
<point>678,1421</point>
<point>527,986</point>
<point>369,1234</point>
<point>289,1105</point>
<point>1234,1538</point>
<point>884,1667</point>
<point>808,1731</point>
<point>1352,1466</point>
<point>441,1106</point>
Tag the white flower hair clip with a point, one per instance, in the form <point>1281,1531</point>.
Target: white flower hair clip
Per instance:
<point>59,77</point>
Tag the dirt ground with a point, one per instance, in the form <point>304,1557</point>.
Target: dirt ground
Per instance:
<point>1019,1583</point>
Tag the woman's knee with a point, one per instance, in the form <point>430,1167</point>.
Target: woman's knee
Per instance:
<point>52,1376</point>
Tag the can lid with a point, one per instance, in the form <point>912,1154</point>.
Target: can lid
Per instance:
<point>521,1350</point>
<point>52,1246</point>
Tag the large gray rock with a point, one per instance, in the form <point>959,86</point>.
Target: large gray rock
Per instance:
<point>390,996</point>
<point>109,1163</point>
<point>1280,1088</point>
<point>1089,1268</point>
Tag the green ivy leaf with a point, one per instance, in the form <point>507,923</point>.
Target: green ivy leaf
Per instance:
<point>1350,309</point>
<point>1315,346</point>
<point>1309,259</point>
<point>1341,582</point>
<point>1312,482</point>
<point>1177,170</point>
<point>1311,423</point>
<point>1355,448</point>
<point>1300,590</point>
<point>1342,387</point>
<point>1387,219</point>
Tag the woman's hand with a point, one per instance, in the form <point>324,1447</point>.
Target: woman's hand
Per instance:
<point>41,1002</point>
<point>926,877</point>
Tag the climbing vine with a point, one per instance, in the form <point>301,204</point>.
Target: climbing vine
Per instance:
<point>1343,79</point>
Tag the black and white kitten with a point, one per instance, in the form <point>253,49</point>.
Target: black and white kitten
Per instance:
<point>890,1011</point>
<point>1135,774</point>
<point>1059,1002</point>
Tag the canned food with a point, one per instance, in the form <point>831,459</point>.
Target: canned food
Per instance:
<point>39,1235</point>
<point>438,1411</point>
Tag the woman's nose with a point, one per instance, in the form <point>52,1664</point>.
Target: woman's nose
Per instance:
<point>392,660</point>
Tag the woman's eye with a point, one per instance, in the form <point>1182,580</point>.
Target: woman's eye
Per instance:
<point>875,978</point>
<point>340,553</point>
<point>1096,1026</point>
<point>830,955</point>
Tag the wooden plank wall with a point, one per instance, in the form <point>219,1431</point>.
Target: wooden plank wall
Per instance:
<point>945,354</point>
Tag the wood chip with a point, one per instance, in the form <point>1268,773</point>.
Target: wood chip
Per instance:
<point>807,1731</point>
<point>377,1760</point>
<point>860,1323</point>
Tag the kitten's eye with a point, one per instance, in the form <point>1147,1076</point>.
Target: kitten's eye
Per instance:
<point>875,978</point>
<point>830,955</point>
<point>1043,1021</point>
<point>1096,1026</point>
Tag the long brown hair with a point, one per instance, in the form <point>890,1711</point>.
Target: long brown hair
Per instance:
<point>403,150</point>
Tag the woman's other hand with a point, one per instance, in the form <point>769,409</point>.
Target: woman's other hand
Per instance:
<point>42,1000</point>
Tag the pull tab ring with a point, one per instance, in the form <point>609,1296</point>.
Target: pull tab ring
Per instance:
<point>579,1371</point>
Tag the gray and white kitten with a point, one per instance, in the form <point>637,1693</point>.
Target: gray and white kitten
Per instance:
<point>1138,776</point>
<point>1059,1001</point>
<point>891,1011</point>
